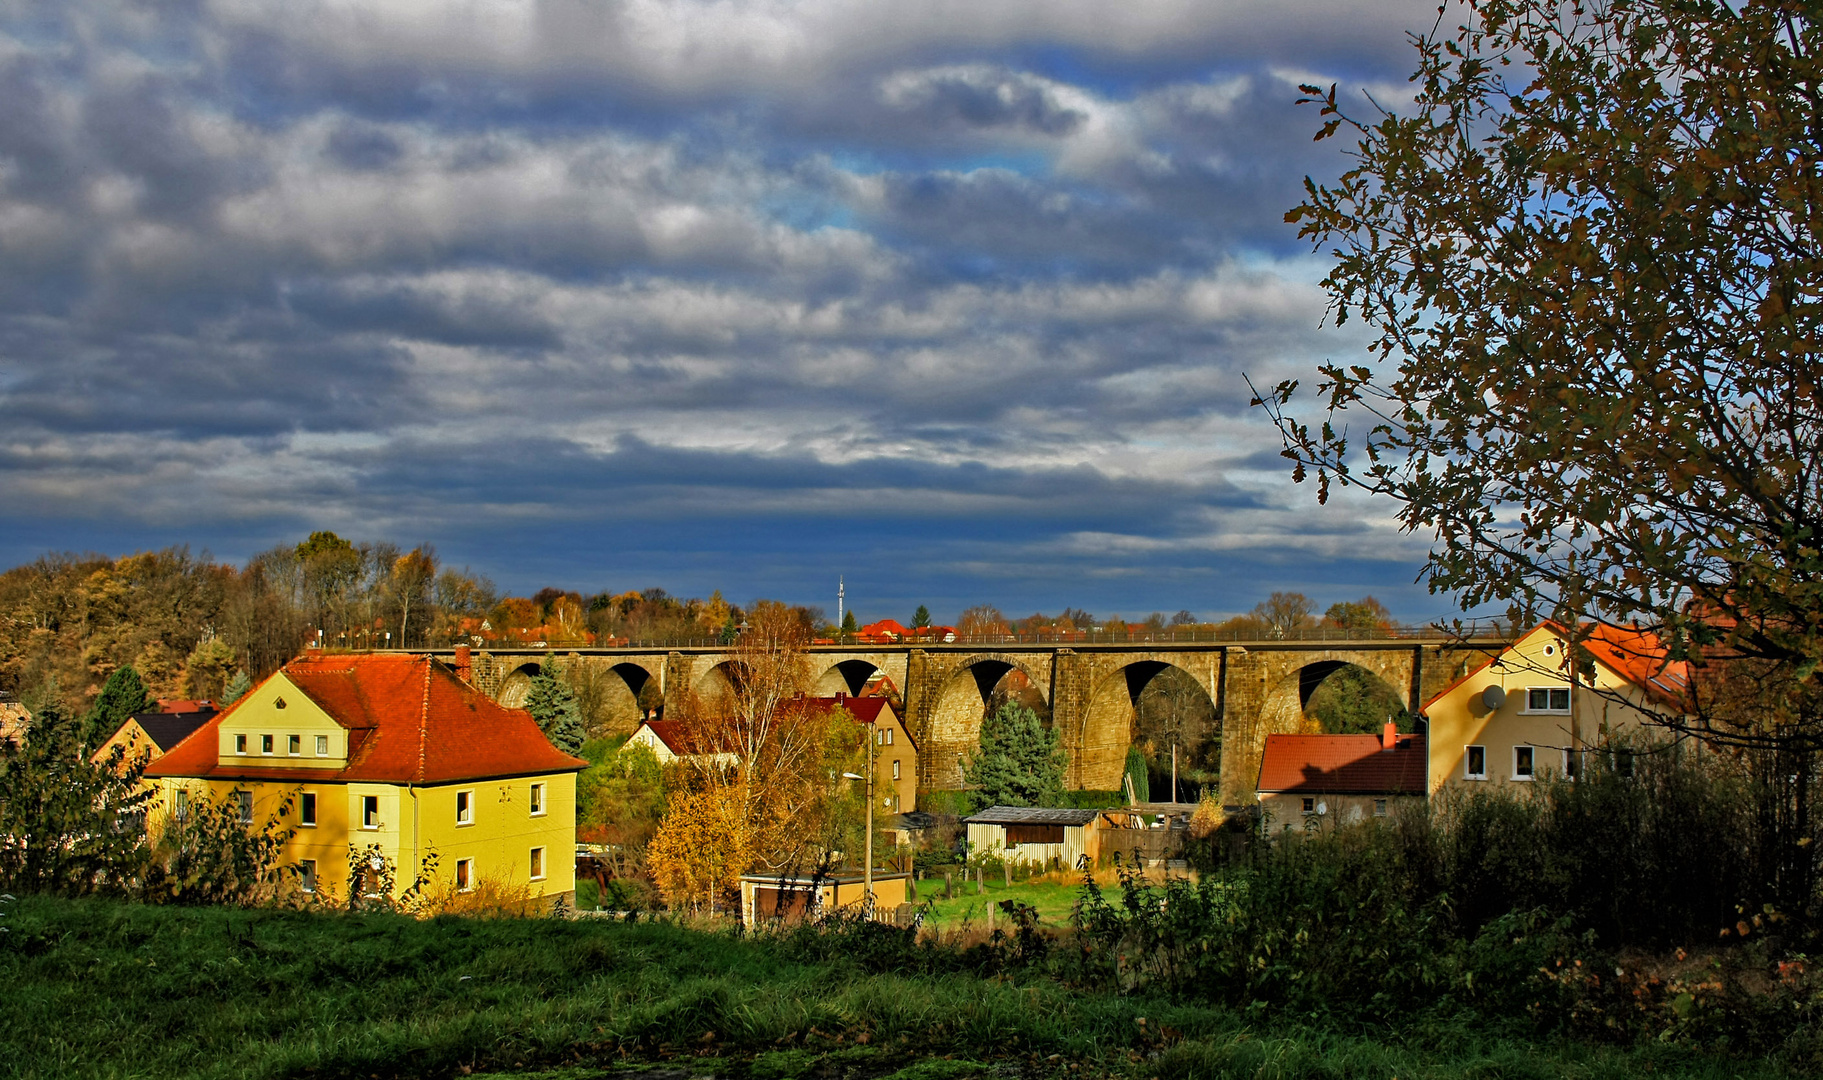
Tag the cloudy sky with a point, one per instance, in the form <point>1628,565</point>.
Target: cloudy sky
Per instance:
<point>953,297</point>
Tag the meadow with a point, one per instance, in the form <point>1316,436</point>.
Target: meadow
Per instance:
<point>102,988</point>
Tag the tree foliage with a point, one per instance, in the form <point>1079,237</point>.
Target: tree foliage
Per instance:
<point>121,696</point>
<point>553,705</point>
<point>1588,254</point>
<point>1019,762</point>
<point>68,824</point>
<point>702,847</point>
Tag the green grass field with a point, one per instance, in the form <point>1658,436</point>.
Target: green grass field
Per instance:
<point>1054,897</point>
<point>112,990</point>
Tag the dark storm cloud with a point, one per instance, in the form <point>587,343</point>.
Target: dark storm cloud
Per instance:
<point>937,292</point>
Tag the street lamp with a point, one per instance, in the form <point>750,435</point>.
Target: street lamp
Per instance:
<point>867,871</point>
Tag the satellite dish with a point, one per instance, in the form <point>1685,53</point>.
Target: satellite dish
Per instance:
<point>1494,697</point>
<point>1322,808</point>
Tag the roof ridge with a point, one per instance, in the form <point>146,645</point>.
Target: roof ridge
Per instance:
<point>424,720</point>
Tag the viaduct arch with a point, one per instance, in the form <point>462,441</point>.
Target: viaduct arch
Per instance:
<point>1089,691</point>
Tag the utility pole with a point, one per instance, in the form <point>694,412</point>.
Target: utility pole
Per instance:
<point>867,871</point>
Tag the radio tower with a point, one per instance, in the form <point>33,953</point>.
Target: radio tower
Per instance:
<point>841,595</point>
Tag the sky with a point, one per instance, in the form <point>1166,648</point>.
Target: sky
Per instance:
<point>954,299</point>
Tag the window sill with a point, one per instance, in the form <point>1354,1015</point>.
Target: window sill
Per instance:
<point>306,824</point>
<point>1477,779</point>
<point>465,824</point>
<point>1521,779</point>
<point>540,877</point>
<point>540,813</point>
<point>1544,712</point>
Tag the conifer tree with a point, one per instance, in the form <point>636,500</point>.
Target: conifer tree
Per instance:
<point>1019,762</point>
<point>921,617</point>
<point>69,818</point>
<point>849,625</point>
<point>237,688</point>
<point>553,704</point>
<point>121,696</point>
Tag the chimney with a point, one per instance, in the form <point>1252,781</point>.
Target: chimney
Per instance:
<point>841,695</point>
<point>463,666</point>
<point>1389,738</point>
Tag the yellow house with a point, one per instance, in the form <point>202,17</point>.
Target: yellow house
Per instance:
<point>152,735</point>
<point>395,753</point>
<point>1525,713</point>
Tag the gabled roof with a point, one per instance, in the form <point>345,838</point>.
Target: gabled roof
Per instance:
<point>167,729</point>
<point>410,721</point>
<point>1032,815</point>
<point>673,733</point>
<point>1343,765</point>
<point>1638,656</point>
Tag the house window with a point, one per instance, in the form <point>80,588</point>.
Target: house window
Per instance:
<point>465,875</point>
<point>294,745</point>
<point>307,808</point>
<point>243,801</point>
<point>240,744</point>
<point>895,770</point>
<point>465,808</point>
<point>537,864</point>
<point>180,808</point>
<point>1623,762</point>
<point>1572,763</point>
<point>537,800</point>
<point>1523,759</point>
<point>307,875</point>
<point>1379,807</point>
<point>322,746</point>
<point>265,744</point>
<point>370,811</point>
<point>1475,762</point>
<point>1310,805</point>
<point>1547,699</point>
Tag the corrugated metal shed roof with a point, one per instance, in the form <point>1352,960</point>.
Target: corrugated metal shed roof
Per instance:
<point>1032,815</point>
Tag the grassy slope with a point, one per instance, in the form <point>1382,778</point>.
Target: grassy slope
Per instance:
<point>113,990</point>
<point>1053,899</point>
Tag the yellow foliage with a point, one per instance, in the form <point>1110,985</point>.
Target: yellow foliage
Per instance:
<point>702,847</point>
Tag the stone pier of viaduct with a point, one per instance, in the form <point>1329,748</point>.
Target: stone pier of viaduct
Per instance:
<point>1257,688</point>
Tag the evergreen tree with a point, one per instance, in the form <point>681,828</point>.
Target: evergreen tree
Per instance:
<point>1019,762</point>
<point>553,704</point>
<point>121,696</point>
<point>1139,774</point>
<point>237,688</point>
<point>921,617</point>
<point>849,625</point>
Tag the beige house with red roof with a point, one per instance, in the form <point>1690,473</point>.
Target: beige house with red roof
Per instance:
<point>392,751</point>
<point>1332,780</point>
<point>895,754</point>
<point>1523,715</point>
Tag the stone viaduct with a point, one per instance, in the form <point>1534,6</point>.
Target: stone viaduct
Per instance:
<point>1256,687</point>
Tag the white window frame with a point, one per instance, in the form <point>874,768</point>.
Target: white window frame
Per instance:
<point>465,875</point>
<point>1547,691</point>
<point>895,768</point>
<point>1532,756</point>
<point>243,800</point>
<point>1379,807</point>
<point>537,800</point>
<point>307,809</point>
<point>307,876</point>
<point>1468,762</point>
<point>538,863</point>
<point>322,746</point>
<point>370,822</point>
<point>465,807</point>
<point>180,805</point>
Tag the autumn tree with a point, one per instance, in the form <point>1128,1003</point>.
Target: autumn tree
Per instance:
<point>982,620</point>
<point>1283,613</point>
<point>412,581</point>
<point>1588,258</point>
<point>702,847</point>
<point>1365,614</point>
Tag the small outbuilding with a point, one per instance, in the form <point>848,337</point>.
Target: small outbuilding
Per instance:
<point>1328,780</point>
<point>767,898</point>
<point>1037,835</point>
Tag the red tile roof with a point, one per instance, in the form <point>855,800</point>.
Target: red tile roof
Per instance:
<point>410,721</point>
<point>1343,765</point>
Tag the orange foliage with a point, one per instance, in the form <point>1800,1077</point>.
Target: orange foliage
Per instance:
<point>702,847</point>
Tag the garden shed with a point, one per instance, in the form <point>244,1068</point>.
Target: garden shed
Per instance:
<point>1031,834</point>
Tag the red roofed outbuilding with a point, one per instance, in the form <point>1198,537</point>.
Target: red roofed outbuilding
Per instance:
<point>1338,779</point>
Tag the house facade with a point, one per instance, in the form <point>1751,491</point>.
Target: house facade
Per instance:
<point>1326,781</point>
<point>1527,713</point>
<point>391,754</point>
